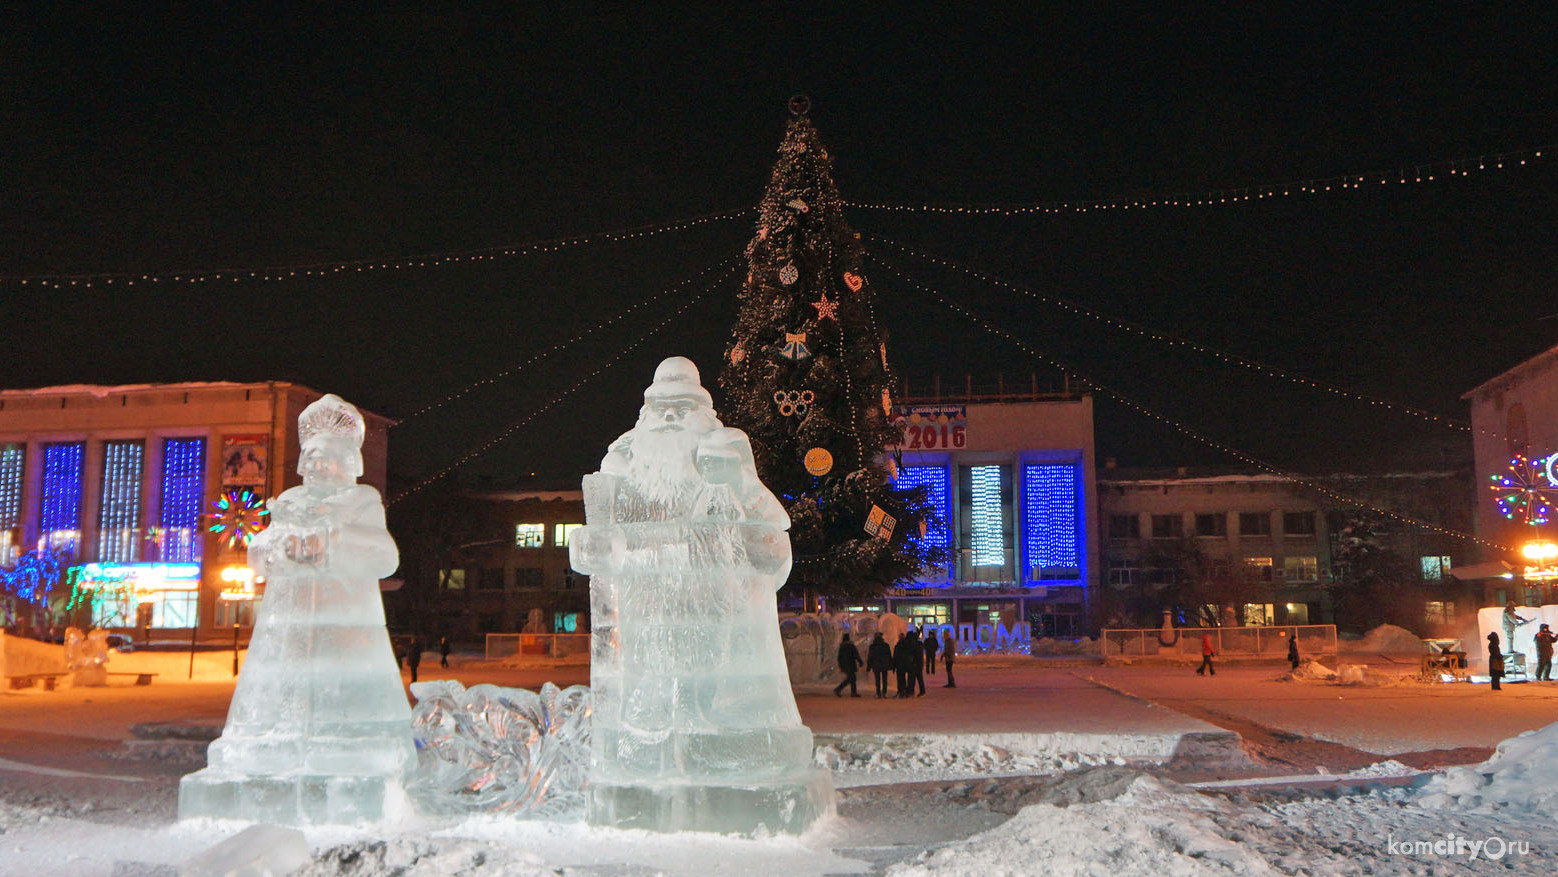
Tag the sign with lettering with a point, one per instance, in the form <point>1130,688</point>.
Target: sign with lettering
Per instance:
<point>933,427</point>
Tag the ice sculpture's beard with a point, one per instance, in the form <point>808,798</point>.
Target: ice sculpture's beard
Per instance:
<point>662,467</point>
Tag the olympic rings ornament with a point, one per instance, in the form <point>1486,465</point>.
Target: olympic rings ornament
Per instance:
<point>794,403</point>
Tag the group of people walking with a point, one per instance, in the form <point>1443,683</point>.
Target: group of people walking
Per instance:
<point>911,658</point>
<point>411,654</point>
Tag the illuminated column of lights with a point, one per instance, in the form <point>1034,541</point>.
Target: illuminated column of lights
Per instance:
<point>60,516</point>
<point>183,494</point>
<point>12,458</point>
<point>937,492</point>
<point>988,542</point>
<point>119,517</point>
<point>1049,515</point>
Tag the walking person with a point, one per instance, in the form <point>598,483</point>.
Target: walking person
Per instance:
<point>931,647</point>
<point>1207,654</point>
<point>443,652</point>
<point>917,664</point>
<point>903,662</point>
<point>879,660</point>
<point>1544,653</point>
<point>1293,650</point>
<point>949,650</point>
<point>849,662</point>
<point>1495,661</point>
<point>414,656</point>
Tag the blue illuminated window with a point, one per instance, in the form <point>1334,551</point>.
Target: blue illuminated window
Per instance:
<point>119,516</point>
<point>987,533</point>
<point>60,516</point>
<point>183,498</point>
<point>1050,521</point>
<point>938,493</point>
<point>12,458</point>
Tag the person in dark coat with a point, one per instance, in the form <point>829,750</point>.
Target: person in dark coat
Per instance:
<point>949,651</point>
<point>917,667</point>
<point>879,660</point>
<point>1544,653</point>
<point>1293,650</point>
<point>1207,653</point>
<point>443,651</point>
<point>849,663</point>
<point>931,647</point>
<point>1495,661</point>
<point>903,662</point>
<point>414,656</point>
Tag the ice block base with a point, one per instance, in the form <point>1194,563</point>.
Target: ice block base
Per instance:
<point>789,805</point>
<point>289,800</point>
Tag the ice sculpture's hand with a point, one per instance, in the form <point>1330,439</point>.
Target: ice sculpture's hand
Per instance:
<point>597,549</point>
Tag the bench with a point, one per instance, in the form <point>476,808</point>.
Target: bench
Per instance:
<point>30,679</point>
<point>140,678</point>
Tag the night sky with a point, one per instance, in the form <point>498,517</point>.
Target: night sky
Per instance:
<point>135,143</point>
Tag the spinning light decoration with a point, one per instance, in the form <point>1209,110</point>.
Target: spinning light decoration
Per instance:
<point>240,514</point>
<point>1523,493</point>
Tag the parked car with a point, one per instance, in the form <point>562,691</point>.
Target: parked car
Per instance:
<point>121,643</point>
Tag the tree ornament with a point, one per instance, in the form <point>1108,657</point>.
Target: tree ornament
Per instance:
<point>800,105</point>
<point>794,403</point>
<point>240,514</point>
<point>853,281</point>
<point>797,205</point>
<point>795,346</point>
<point>762,233</point>
<point>789,274</point>
<point>883,348</point>
<point>887,403</point>
<point>880,524</point>
<point>826,310</point>
<point>818,461</point>
<point>737,354</point>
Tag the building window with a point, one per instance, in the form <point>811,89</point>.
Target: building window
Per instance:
<point>1123,572</point>
<point>1124,527</point>
<point>12,458</point>
<point>491,579</point>
<point>1300,569</point>
<point>937,486</point>
<point>1260,613</point>
<point>528,577</point>
<point>119,516</point>
<point>529,535</point>
<point>1254,524</point>
<point>1298,523</point>
<point>986,517</point>
<point>562,532</point>
<point>452,579</point>
<point>60,516</point>
<point>231,612</point>
<point>1050,521</point>
<point>930,614</point>
<point>1168,526</point>
<point>1435,567</point>
<point>1212,525</point>
<point>1439,612</point>
<point>1163,575</point>
<point>1257,569</point>
<point>183,499</point>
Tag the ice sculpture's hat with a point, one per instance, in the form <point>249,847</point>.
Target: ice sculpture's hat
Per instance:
<point>677,378</point>
<point>330,416</point>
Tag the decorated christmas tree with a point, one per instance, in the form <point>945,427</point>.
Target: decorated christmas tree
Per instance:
<point>806,376</point>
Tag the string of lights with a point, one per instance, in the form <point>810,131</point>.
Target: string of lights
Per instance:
<point>1422,172</point>
<point>1180,427</point>
<point>1173,341</point>
<point>326,269</point>
<point>470,388</point>
<point>541,409</point>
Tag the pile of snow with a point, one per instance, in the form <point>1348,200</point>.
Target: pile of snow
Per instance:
<point>422,857</point>
<point>1522,776</point>
<point>1387,639</point>
<point>1309,671</point>
<point>1083,646</point>
<point>1350,674</point>
<point>947,756</point>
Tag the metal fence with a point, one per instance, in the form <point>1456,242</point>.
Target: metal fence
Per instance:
<point>1244,642</point>
<point>537,645</point>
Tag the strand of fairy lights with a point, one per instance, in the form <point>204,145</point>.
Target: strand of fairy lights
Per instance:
<point>1425,172</point>
<point>325,269</point>
<point>1180,427</point>
<point>492,379</point>
<point>1172,341</point>
<point>536,412</point>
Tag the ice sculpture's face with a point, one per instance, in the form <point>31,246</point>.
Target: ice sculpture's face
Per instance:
<point>668,415</point>
<point>328,461</point>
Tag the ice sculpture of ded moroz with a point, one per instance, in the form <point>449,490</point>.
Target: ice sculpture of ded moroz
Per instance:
<point>695,726</point>
<point>319,730</point>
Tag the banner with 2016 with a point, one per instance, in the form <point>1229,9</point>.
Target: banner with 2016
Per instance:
<point>933,427</point>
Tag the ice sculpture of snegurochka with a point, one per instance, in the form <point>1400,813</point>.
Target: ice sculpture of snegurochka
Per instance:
<point>319,729</point>
<point>695,726</point>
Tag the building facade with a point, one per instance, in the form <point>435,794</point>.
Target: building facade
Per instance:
<point>138,491</point>
<point>1011,476</point>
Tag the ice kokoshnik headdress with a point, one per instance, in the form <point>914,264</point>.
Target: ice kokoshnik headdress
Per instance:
<point>331,417</point>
